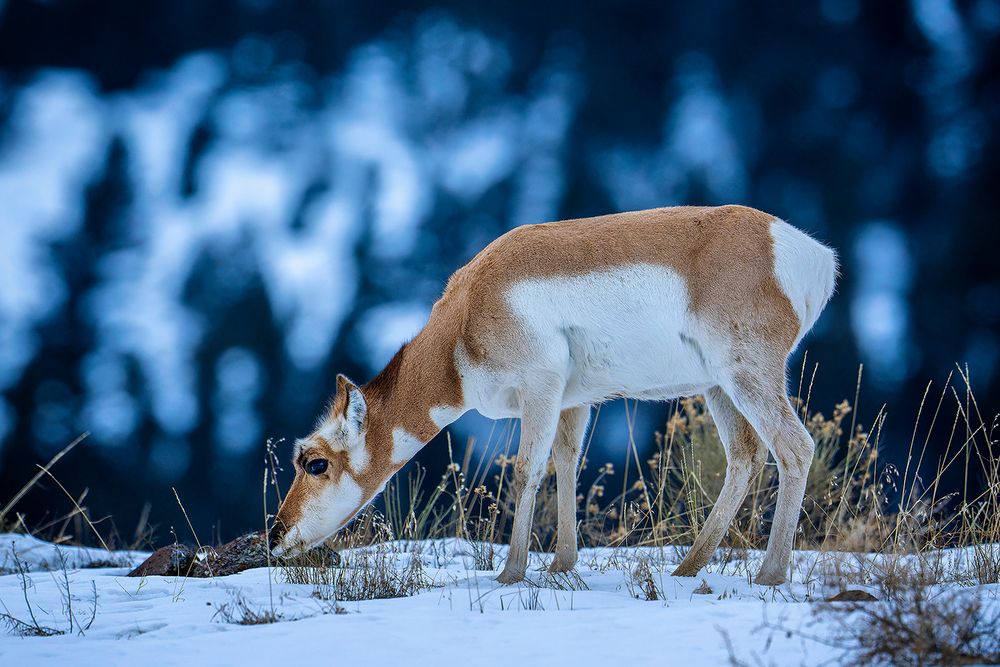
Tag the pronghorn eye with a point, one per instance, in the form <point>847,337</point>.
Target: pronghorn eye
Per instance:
<point>317,466</point>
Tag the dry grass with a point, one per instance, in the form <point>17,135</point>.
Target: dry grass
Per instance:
<point>367,567</point>
<point>238,611</point>
<point>76,620</point>
<point>919,623</point>
<point>641,582</point>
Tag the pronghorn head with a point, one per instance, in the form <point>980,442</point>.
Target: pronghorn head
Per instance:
<point>334,476</point>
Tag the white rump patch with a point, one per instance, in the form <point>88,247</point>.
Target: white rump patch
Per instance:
<point>806,270</point>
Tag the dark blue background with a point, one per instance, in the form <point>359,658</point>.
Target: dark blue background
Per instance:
<point>207,209</point>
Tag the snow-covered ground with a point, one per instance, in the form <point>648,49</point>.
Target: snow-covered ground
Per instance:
<point>464,615</point>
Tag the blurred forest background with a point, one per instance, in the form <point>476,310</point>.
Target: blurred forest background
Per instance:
<point>208,209</point>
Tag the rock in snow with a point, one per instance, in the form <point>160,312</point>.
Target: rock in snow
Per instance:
<point>243,553</point>
<point>168,561</point>
<point>852,596</point>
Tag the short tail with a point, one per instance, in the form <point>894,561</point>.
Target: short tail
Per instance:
<point>807,271</point>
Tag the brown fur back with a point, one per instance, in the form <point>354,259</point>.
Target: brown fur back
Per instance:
<point>724,254</point>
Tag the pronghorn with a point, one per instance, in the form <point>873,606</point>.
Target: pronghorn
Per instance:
<point>553,318</point>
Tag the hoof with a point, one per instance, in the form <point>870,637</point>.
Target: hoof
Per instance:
<point>562,564</point>
<point>768,577</point>
<point>510,576</point>
<point>685,571</point>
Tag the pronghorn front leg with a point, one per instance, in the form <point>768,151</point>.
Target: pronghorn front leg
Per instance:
<point>539,421</point>
<point>566,455</point>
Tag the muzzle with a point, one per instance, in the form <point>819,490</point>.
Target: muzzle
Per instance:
<point>277,532</point>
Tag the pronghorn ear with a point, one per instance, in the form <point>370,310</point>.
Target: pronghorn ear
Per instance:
<point>350,404</point>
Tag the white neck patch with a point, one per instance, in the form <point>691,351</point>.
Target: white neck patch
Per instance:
<point>445,414</point>
<point>405,445</point>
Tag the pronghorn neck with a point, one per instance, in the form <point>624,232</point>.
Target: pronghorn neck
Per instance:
<point>416,395</point>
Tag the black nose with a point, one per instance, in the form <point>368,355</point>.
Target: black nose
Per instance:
<point>275,534</point>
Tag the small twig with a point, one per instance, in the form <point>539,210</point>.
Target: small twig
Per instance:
<point>45,471</point>
<point>208,565</point>
<point>24,489</point>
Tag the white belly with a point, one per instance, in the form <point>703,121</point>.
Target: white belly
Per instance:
<point>624,332</point>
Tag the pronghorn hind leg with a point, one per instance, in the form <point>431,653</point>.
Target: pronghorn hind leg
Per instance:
<point>762,399</point>
<point>539,421</point>
<point>745,457</point>
<point>566,455</point>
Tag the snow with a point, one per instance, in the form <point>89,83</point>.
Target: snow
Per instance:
<point>174,621</point>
